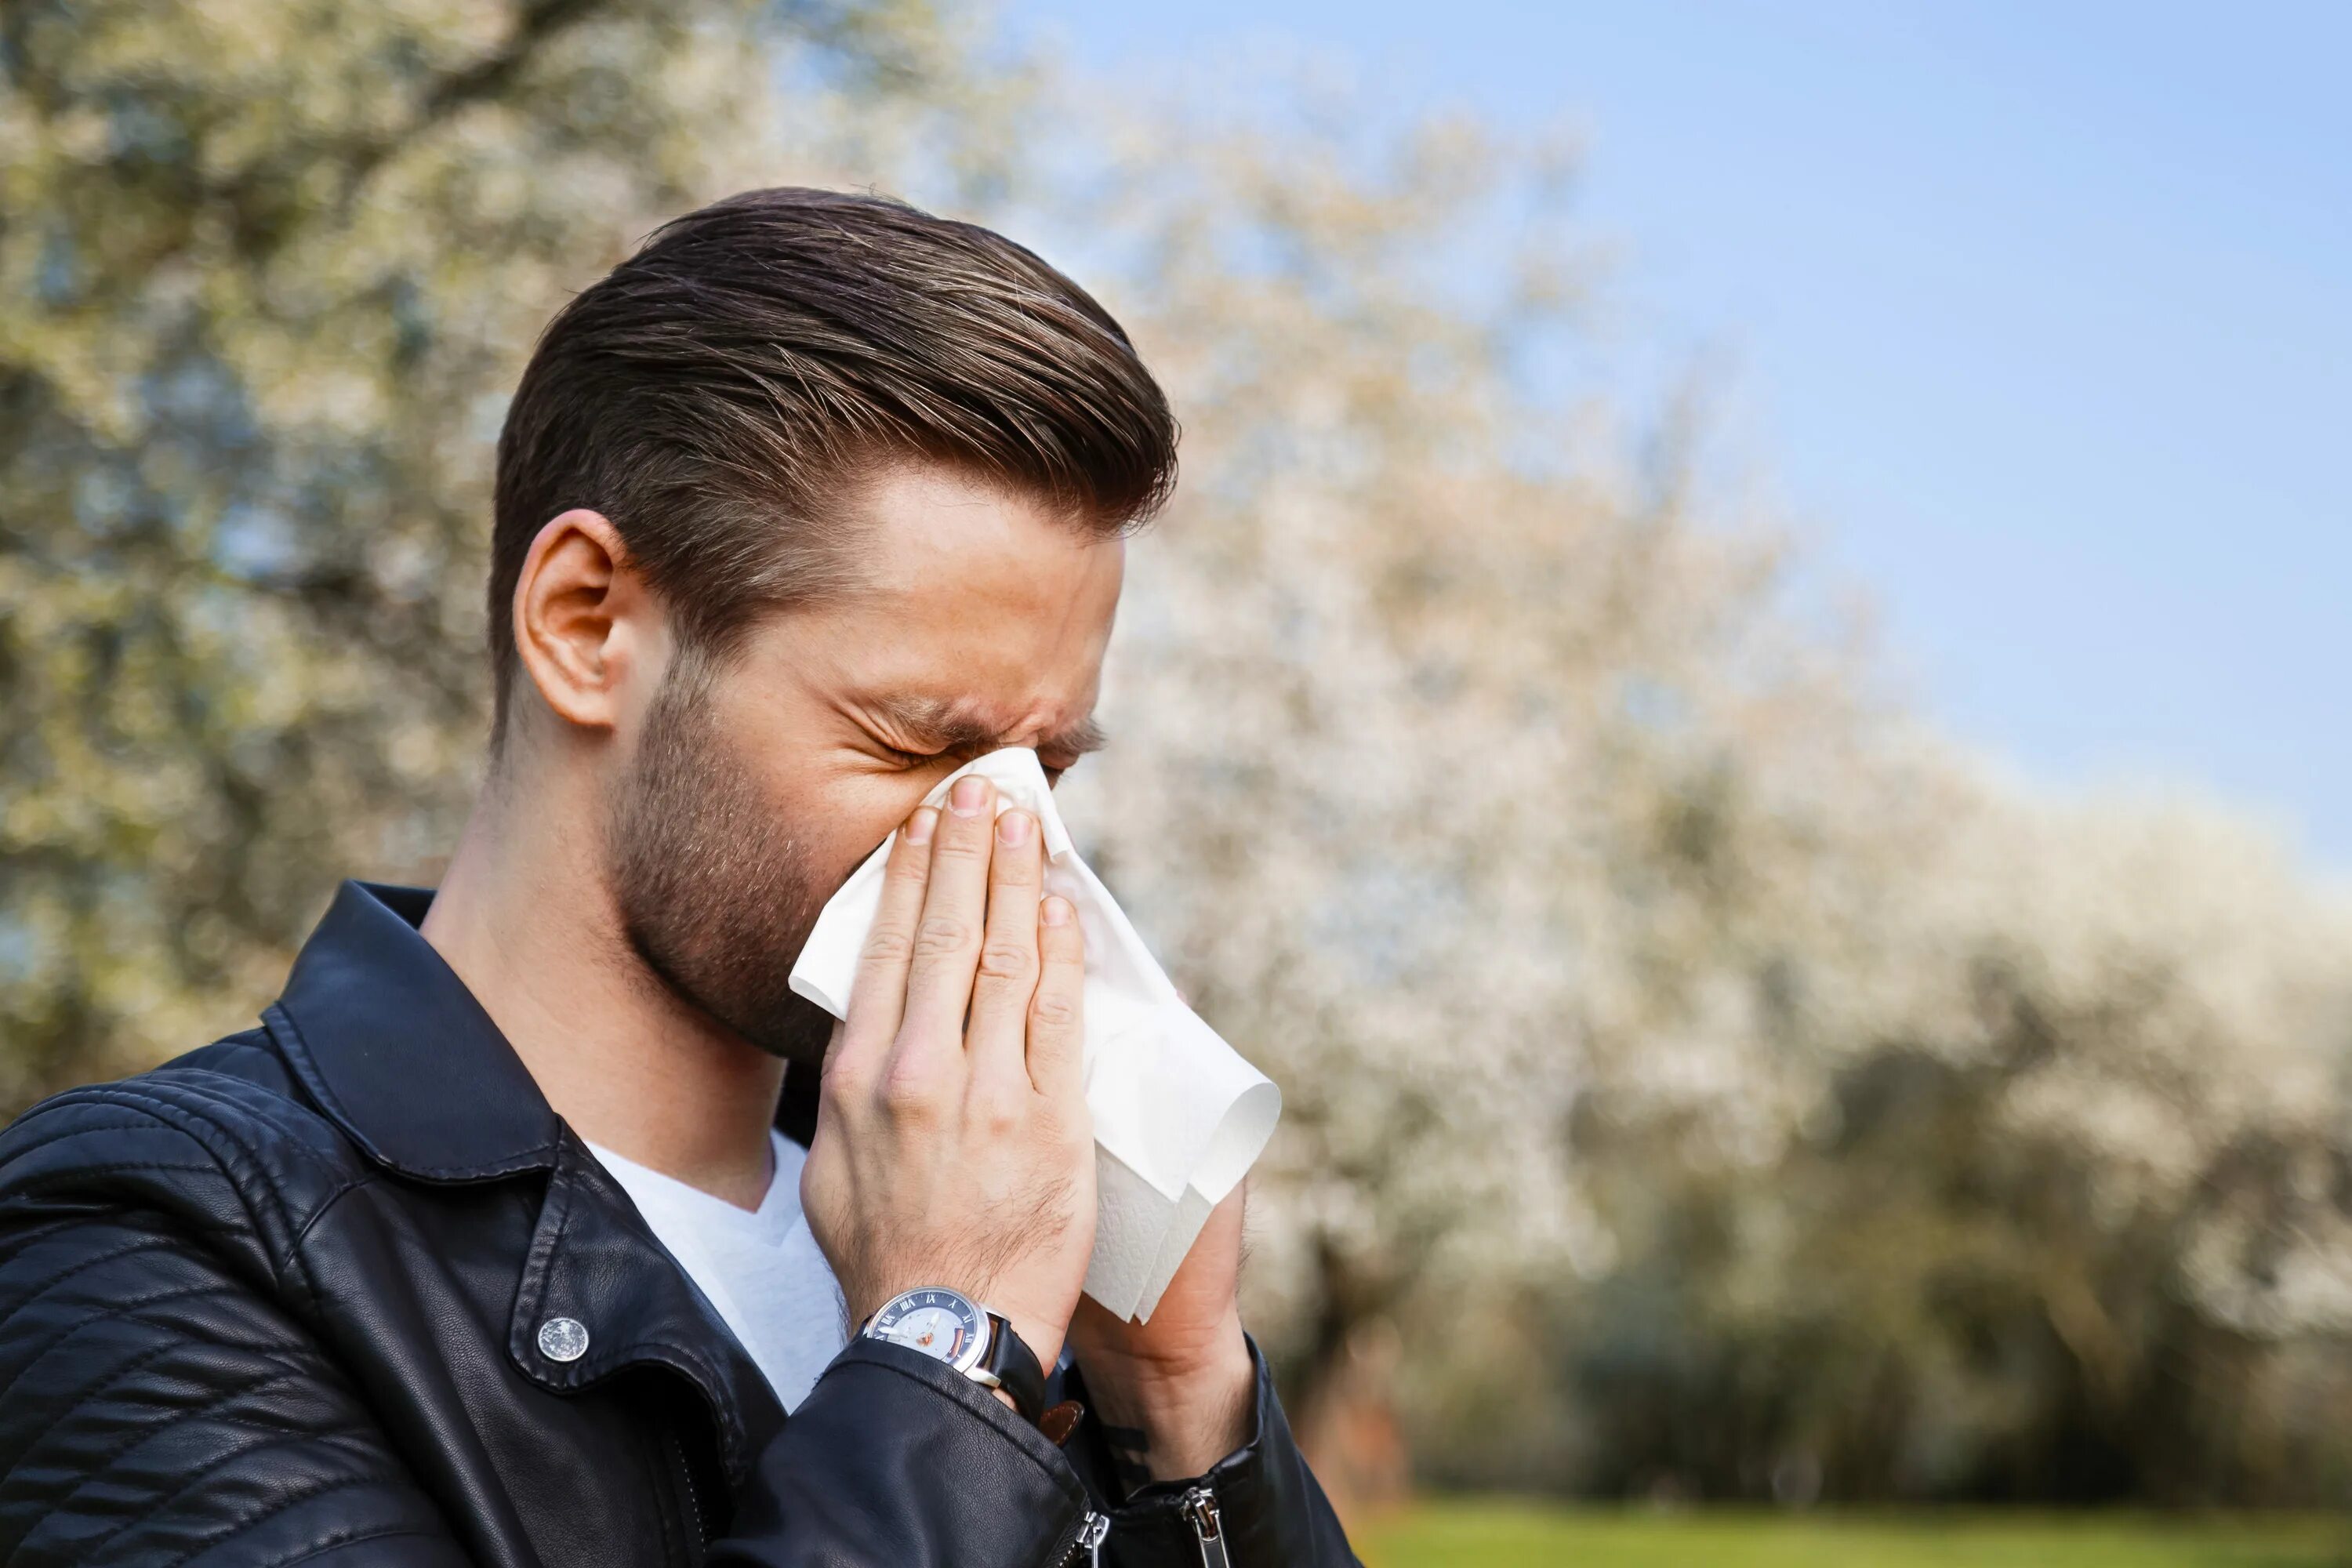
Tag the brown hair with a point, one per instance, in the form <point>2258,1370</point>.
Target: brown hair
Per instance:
<point>715,394</point>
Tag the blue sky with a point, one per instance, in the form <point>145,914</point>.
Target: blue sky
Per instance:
<point>2039,316</point>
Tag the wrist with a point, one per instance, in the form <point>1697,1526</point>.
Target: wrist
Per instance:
<point>1161,1359</point>
<point>1041,1335</point>
<point>1172,1417</point>
<point>998,1350</point>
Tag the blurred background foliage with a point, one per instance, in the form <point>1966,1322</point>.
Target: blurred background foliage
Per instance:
<point>1703,1081</point>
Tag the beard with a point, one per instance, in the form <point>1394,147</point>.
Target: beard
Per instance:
<point>716,895</point>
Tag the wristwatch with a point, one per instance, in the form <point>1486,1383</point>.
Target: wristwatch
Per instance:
<point>948,1326</point>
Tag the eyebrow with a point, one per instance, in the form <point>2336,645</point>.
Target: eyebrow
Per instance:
<point>947,727</point>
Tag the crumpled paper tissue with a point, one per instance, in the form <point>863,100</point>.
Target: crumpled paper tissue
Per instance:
<point>1178,1116</point>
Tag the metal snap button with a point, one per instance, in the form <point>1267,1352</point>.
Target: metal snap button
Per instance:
<point>563,1339</point>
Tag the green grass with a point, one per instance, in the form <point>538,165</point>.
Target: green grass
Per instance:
<point>1530,1535</point>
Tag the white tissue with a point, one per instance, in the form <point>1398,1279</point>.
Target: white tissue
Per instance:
<point>1178,1116</point>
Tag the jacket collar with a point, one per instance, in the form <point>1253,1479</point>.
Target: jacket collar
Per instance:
<point>390,1044</point>
<point>393,1048</point>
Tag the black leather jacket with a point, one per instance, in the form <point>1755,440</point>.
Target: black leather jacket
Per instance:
<point>279,1301</point>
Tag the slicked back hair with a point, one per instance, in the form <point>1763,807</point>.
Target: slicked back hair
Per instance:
<point>716,395</point>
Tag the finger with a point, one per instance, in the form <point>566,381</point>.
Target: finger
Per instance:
<point>878,995</point>
<point>955,903</point>
<point>1007,976</point>
<point>1057,1016</point>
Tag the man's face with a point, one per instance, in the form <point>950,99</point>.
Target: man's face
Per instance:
<point>759,781</point>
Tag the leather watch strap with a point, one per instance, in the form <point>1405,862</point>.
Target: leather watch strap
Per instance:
<point>1014,1367</point>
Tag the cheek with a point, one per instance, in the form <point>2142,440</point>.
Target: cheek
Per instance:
<point>842,814</point>
<point>872,808</point>
<point>832,807</point>
<point>782,738</point>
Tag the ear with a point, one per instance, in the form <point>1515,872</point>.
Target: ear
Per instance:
<point>584,624</point>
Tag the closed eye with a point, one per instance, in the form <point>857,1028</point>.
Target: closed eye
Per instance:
<point>950,756</point>
<point>1056,758</point>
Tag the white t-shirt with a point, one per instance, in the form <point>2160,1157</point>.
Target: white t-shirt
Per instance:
<point>760,1268</point>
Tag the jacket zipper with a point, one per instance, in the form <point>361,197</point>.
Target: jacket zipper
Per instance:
<point>1200,1510</point>
<point>1092,1528</point>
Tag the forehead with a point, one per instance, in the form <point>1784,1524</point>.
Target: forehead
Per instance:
<point>975,605</point>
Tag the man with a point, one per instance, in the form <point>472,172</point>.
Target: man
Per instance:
<point>513,1233</point>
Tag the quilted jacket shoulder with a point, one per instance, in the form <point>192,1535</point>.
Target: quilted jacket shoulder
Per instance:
<point>219,1135</point>
<point>156,1404</point>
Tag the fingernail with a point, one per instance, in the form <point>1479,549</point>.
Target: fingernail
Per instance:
<point>919,826</point>
<point>1013,828</point>
<point>968,796</point>
<point>1057,911</point>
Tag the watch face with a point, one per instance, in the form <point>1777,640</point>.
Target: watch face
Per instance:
<point>937,1323</point>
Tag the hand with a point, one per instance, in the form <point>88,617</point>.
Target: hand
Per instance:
<point>953,1146</point>
<point>1174,1396</point>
